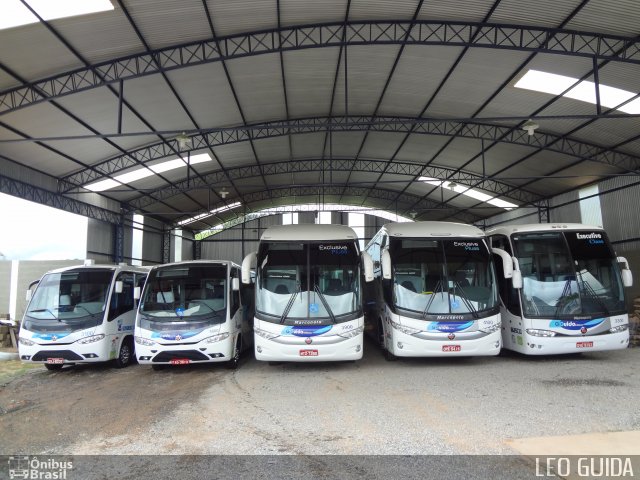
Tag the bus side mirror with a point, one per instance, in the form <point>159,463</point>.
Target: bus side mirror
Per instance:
<point>246,267</point>
<point>235,284</point>
<point>136,293</point>
<point>29,295</point>
<point>119,286</point>
<point>516,279</point>
<point>367,264</point>
<point>627,276</point>
<point>507,262</point>
<point>385,260</point>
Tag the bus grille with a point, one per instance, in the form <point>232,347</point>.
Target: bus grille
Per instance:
<point>167,356</point>
<point>66,354</point>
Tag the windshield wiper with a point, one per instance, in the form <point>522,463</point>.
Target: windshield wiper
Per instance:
<point>592,295</point>
<point>85,309</point>
<point>316,289</point>
<point>287,309</point>
<point>464,298</point>
<point>565,298</point>
<point>439,286</point>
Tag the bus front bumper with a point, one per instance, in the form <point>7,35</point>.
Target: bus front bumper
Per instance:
<point>184,353</point>
<point>578,344</point>
<point>298,350</point>
<point>404,345</point>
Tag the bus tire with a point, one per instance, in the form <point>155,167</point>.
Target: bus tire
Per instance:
<point>381,335</point>
<point>125,354</point>
<point>237,352</point>
<point>389,357</point>
<point>53,366</point>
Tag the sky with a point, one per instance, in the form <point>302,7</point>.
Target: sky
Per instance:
<point>35,232</point>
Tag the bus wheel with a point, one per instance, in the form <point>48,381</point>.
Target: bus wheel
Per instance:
<point>53,366</point>
<point>235,360</point>
<point>381,335</point>
<point>390,357</point>
<point>126,353</point>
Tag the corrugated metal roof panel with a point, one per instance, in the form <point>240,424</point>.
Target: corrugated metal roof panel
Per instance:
<point>166,22</point>
<point>476,77</point>
<point>236,16</point>
<point>310,75</point>
<point>92,35</point>
<point>381,145</point>
<point>619,18</point>
<point>461,10</point>
<point>302,12</point>
<point>419,72</point>
<point>206,92</point>
<point>309,145</point>
<point>382,9</point>
<point>34,53</point>
<point>258,83</point>
<point>368,69</point>
<point>421,148</point>
<point>235,155</point>
<point>153,99</point>
<point>541,13</point>
<point>273,149</point>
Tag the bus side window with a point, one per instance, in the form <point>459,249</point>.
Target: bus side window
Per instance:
<point>122,302</point>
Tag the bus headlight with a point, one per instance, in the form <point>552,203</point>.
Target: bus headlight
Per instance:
<point>619,328</point>
<point>265,334</point>
<point>403,329</point>
<point>144,341</point>
<point>351,333</point>
<point>25,341</point>
<point>91,339</point>
<point>540,333</point>
<point>216,338</point>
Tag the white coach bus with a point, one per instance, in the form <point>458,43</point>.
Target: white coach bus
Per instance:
<point>308,293</point>
<point>436,292</point>
<point>81,314</point>
<point>571,297</point>
<point>192,312</point>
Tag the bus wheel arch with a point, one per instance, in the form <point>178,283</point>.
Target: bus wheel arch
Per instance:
<point>237,352</point>
<point>126,352</point>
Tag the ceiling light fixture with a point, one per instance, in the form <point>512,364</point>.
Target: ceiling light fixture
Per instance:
<point>530,127</point>
<point>184,141</point>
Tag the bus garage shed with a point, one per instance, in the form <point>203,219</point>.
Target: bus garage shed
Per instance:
<point>200,123</point>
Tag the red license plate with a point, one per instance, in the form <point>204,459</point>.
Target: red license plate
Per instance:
<point>308,353</point>
<point>451,348</point>
<point>584,344</point>
<point>179,361</point>
<point>55,360</point>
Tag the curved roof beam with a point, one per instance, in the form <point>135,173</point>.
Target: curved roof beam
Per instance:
<point>319,194</point>
<point>225,136</point>
<point>337,165</point>
<point>464,34</point>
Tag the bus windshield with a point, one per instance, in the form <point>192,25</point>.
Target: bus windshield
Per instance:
<point>185,293</point>
<point>435,277</point>
<point>308,283</point>
<point>69,301</point>
<point>568,274</point>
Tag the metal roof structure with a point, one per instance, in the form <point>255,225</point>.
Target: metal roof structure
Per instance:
<point>297,101</point>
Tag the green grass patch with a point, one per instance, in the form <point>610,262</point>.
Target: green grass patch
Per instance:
<point>11,369</point>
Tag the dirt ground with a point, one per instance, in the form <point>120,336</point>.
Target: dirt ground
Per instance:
<point>43,410</point>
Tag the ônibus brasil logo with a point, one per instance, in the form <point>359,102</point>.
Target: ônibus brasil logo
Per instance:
<point>21,466</point>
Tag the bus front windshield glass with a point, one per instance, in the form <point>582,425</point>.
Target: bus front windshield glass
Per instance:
<point>435,277</point>
<point>69,301</point>
<point>568,274</point>
<point>308,283</point>
<point>184,294</point>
